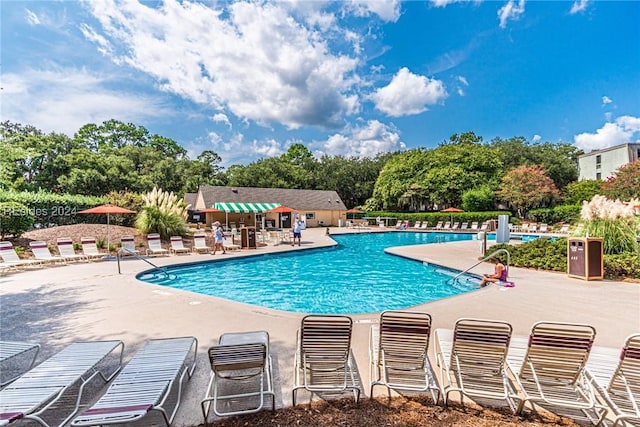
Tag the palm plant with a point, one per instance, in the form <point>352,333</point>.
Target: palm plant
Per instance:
<point>162,213</point>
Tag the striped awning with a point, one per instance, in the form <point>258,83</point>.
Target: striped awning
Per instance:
<point>229,207</point>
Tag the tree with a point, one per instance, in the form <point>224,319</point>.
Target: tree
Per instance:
<point>560,160</point>
<point>625,184</point>
<point>527,187</point>
<point>478,199</point>
<point>577,192</point>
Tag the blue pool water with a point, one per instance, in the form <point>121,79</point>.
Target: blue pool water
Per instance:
<point>356,276</point>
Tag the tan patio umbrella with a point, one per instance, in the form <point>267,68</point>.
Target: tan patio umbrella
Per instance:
<point>353,211</point>
<point>107,209</point>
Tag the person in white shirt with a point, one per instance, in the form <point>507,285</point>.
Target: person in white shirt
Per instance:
<point>297,232</point>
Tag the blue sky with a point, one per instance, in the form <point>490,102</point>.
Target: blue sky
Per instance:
<point>354,78</point>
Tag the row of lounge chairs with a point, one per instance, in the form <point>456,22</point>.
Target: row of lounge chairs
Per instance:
<point>67,252</point>
<point>556,366</point>
<point>445,225</point>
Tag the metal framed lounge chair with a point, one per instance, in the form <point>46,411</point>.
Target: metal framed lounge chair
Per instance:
<point>128,246</point>
<point>464,226</point>
<point>177,246</point>
<point>90,248</point>
<point>323,361</point>
<point>615,375</point>
<point>42,253</point>
<point>474,225</point>
<point>425,225</point>
<point>544,228</point>
<point>152,382</point>
<point>16,358</point>
<point>240,361</point>
<point>484,226</point>
<point>564,229</point>
<point>473,360</point>
<point>398,349</point>
<point>447,225</point>
<point>200,243</point>
<point>155,245</point>
<point>417,224</point>
<point>552,371</point>
<point>455,225</point>
<point>10,257</point>
<point>39,394</point>
<point>65,247</point>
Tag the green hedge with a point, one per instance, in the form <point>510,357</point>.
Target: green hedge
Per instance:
<point>546,254</point>
<point>15,219</point>
<point>59,209</point>
<point>434,217</point>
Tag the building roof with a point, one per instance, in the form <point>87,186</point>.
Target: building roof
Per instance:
<point>297,199</point>
<point>190,198</point>
<point>615,147</point>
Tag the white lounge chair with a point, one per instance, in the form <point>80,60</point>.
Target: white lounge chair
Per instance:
<point>42,253</point>
<point>62,377</point>
<point>65,247</point>
<point>177,246</point>
<point>398,348</point>
<point>241,368</point>
<point>417,224</point>
<point>552,371</point>
<point>90,248</point>
<point>200,243</point>
<point>16,358</point>
<point>615,375</point>
<point>153,380</point>
<point>128,246</point>
<point>474,225</point>
<point>155,245</point>
<point>323,361</point>
<point>473,361</point>
<point>425,225</point>
<point>11,259</point>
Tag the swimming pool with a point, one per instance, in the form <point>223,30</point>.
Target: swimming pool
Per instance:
<point>356,276</point>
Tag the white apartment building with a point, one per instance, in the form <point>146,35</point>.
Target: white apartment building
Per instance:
<point>601,164</point>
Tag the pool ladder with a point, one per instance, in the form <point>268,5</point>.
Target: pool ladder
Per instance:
<point>136,255</point>
<point>455,281</point>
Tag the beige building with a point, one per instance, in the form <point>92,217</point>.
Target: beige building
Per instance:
<point>250,206</point>
<point>601,164</point>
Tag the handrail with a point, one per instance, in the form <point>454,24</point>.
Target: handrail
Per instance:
<point>483,260</point>
<point>135,254</point>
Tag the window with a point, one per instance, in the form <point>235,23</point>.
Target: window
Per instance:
<point>598,175</point>
<point>598,161</point>
<point>310,215</point>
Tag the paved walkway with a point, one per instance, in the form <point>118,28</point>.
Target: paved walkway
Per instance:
<point>91,301</point>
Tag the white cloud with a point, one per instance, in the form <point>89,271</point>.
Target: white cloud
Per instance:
<point>221,118</point>
<point>445,3</point>
<point>387,10</point>
<point>252,59</point>
<point>365,141</point>
<point>606,100</point>
<point>408,94</point>
<point>510,11</point>
<point>623,130</point>
<point>536,138</point>
<point>579,6</point>
<point>32,18</point>
<point>63,100</point>
<point>463,83</point>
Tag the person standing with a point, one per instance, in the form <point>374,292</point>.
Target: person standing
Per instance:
<point>297,232</point>
<point>218,238</point>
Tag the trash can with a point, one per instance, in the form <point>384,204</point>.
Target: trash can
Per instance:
<point>248,238</point>
<point>585,258</point>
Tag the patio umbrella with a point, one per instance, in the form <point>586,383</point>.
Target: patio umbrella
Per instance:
<point>452,210</point>
<point>281,210</point>
<point>108,210</point>
<point>353,211</point>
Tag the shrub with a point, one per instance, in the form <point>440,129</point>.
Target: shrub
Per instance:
<point>163,213</point>
<point>15,219</point>
<point>541,254</point>
<point>622,266</point>
<point>613,221</point>
<point>564,214</point>
<point>478,199</point>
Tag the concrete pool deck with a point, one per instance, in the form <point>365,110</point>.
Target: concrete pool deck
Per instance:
<point>91,301</point>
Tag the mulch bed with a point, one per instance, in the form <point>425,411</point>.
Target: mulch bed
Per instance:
<point>398,412</point>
